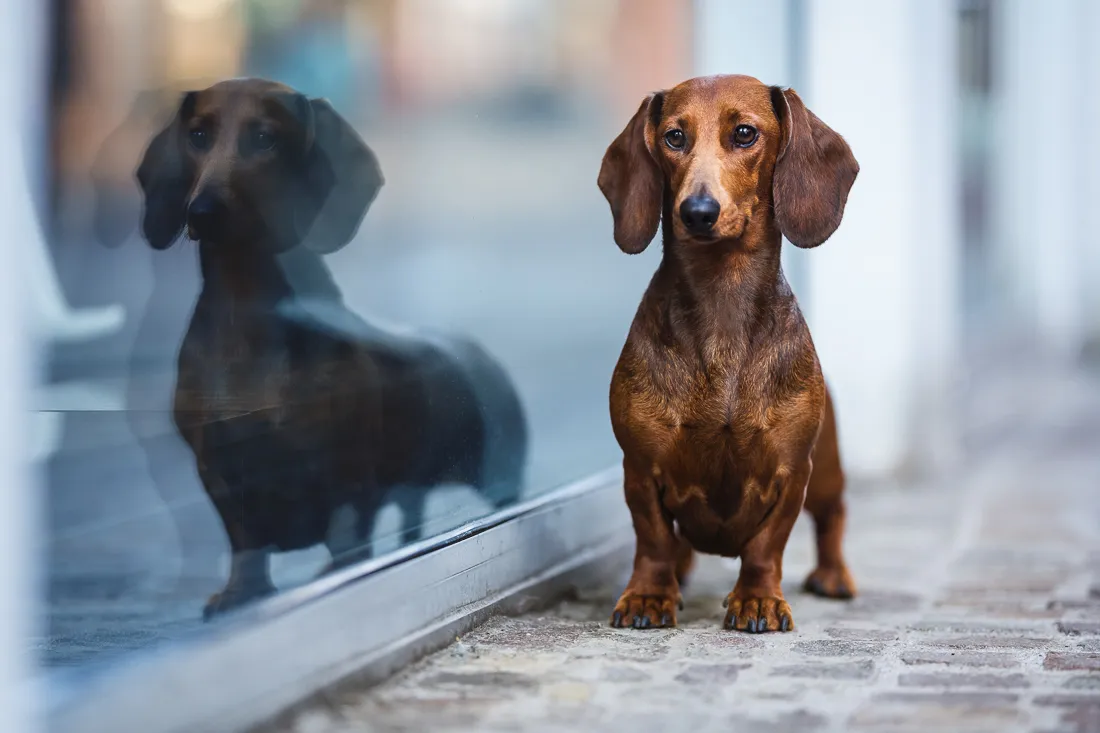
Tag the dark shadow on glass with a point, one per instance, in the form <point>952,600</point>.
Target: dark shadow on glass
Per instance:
<point>298,412</point>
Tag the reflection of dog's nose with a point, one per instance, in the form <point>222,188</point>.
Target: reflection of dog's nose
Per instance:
<point>699,213</point>
<point>205,216</point>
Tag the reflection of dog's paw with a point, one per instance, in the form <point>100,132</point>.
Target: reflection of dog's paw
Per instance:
<point>645,611</point>
<point>831,583</point>
<point>758,615</point>
<point>231,598</point>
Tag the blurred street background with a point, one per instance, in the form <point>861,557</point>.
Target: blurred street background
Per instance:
<point>966,244</point>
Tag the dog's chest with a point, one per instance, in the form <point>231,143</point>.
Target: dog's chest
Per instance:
<point>241,372</point>
<point>706,437</point>
<point>696,411</point>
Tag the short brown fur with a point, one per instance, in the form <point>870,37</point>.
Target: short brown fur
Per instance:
<point>718,401</point>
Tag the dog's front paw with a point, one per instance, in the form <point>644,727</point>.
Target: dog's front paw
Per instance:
<point>757,615</point>
<point>831,582</point>
<point>645,611</point>
<point>233,597</point>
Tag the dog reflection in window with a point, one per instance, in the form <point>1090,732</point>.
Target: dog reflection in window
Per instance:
<point>294,407</point>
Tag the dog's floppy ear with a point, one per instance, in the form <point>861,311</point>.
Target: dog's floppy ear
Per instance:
<point>166,179</point>
<point>814,171</point>
<point>631,181</point>
<point>342,179</point>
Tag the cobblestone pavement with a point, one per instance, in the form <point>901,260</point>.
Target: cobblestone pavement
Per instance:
<point>979,611</point>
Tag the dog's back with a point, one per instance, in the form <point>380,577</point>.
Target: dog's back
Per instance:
<point>450,410</point>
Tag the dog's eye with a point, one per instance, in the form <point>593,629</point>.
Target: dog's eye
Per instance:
<point>675,139</point>
<point>263,140</point>
<point>200,138</point>
<point>744,136</point>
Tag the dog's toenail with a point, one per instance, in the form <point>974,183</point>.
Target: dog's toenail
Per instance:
<point>762,625</point>
<point>617,619</point>
<point>666,620</point>
<point>785,624</point>
<point>751,628</point>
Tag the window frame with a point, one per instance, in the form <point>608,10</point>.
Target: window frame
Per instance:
<point>358,625</point>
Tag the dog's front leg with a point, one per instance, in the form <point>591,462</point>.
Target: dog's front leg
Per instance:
<point>249,576</point>
<point>652,596</point>
<point>757,604</point>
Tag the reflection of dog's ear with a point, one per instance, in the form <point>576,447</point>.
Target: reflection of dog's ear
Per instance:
<point>165,180</point>
<point>115,205</point>
<point>342,180</point>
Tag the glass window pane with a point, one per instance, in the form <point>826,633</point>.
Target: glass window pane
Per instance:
<point>337,396</point>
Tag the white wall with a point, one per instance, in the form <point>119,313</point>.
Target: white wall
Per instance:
<point>20,111</point>
<point>1045,166</point>
<point>1088,30</point>
<point>883,308</point>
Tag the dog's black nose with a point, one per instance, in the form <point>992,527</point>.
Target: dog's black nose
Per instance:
<point>206,215</point>
<point>699,213</point>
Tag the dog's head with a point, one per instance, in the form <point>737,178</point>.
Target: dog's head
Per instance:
<point>253,161</point>
<point>718,152</point>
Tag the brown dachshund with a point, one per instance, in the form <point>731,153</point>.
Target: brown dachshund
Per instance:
<point>718,400</point>
<point>295,408</point>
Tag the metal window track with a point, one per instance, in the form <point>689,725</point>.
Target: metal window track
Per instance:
<point>359,625</point>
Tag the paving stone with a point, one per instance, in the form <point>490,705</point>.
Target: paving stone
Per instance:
<point>626,674</point>
<point>1084,682</point>
<point>861,670</point>
<point>839,648</point>
<point>1079,628</point>
<point>1001,609</point>
<point>1072,662</point>
<point>992,642</point>
<point>973,713</point>
<point>863,634</point>
<point>1079,713</point>
<point>1079,720</point>
<point>710,673</point>
<point>492,680</point>
<point>955,699</point>
<point>1067,700</point>
<point>1005,586</point>
<point>799,721</point>
<point>1002,660</point>
<point>879,602</point>
<point>1088,604</point>
<point>975,628</point>
<point>963,679</point>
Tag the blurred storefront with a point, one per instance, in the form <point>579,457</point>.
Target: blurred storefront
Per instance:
<point>372,58</point>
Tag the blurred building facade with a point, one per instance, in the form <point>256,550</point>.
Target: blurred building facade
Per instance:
<point>372,57</point>
<point>969,118</point>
